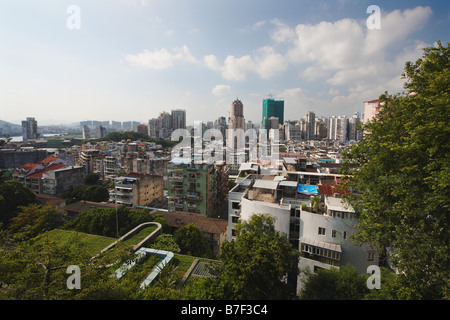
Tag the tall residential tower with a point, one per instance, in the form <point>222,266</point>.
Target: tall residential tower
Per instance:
<point>272,108</point>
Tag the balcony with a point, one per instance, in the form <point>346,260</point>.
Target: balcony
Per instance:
<point>193,196</point>
<point>176,178</point>
<point>324,252</point>
<point>176,185</point>
<point>191,206</point>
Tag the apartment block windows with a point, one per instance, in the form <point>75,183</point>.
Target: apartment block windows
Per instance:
<point>321,231</point>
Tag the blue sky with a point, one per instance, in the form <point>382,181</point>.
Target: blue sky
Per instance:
<point>132,59</point>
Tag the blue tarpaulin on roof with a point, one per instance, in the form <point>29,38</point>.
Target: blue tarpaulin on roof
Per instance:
<point>306,188</point>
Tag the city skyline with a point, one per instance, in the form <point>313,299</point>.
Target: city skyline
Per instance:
<point>131,60</point>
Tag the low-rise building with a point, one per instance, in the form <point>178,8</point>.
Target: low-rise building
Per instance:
<point>62,179</point>
<point>320,231</point>
<point>138,189</point>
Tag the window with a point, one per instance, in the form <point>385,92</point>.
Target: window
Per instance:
<point>234,219</point>
<point>333,233</point>
<point>371,256</point>
<point>321,231</point>
<point>235,205</point>
<point>345,235</point>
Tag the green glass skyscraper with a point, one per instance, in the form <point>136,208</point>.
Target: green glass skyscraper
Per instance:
<point>272,108</point>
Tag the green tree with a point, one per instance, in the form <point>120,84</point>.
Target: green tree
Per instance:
<point>13,194</point>
<point>103,222</point>
<point>255,265</point>
<point>400,176</point>
<point>334,284</point>
<point>35,269</point>
<point>191,241</point>
<point>34,220</point>
<point>95,193</point>
<point>91,179</point>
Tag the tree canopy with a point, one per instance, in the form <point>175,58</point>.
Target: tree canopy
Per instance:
<point>400,176</point>
<point>13,195</point>
<point>103,221</point>
<point>256,264</point>
<point>190,240</point>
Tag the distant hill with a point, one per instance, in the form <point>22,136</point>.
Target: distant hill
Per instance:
<point>9,128</point>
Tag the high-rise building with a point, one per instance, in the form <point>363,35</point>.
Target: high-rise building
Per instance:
<point>332,128</point>
<point>236,120</point>
<point>86,131</point>
<point>292,131</point>
<point>354,132</point>
<point>341,128</point>
<point>101,132</point>
<point>272,108</point>
<point>29,129</point>
<point>178,119</point>
<point>164,124</point>
<point>152,130</point>
<point>337,128</point>
<point>310,125</point>
<point>142,128</point>
<point>236,123</point>
<point>320,130</point>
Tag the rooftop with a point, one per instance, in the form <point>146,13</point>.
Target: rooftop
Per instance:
<point>338,204</point>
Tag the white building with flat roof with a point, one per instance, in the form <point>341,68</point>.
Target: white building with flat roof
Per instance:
<point>323,235</point>
<point>326,242</point>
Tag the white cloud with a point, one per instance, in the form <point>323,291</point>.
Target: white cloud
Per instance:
<point>266,63</point>
<point>221,89</point>
<point>348,43</point>
<point>237,68</point>
<point>396,26</point>
<point>359,62</point>
<point>329,45</point>
<point>269,63</point>
<point>211,62</point>
<point>282,33</point>
<point>161,59</point>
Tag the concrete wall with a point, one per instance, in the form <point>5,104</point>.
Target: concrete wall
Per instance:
<point>15,159</point>
<point>280,213</point>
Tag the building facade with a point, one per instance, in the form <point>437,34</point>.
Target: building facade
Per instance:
<point>29,129</point>
<point>321,233</point>
<point>272,108</point>
<point>138,189</point>
<point>191,187</point>
<point>178,119</point>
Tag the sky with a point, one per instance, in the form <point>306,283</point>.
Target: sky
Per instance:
<point>128,60</point>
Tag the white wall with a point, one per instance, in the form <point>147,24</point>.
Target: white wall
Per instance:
<point>281,214</point>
